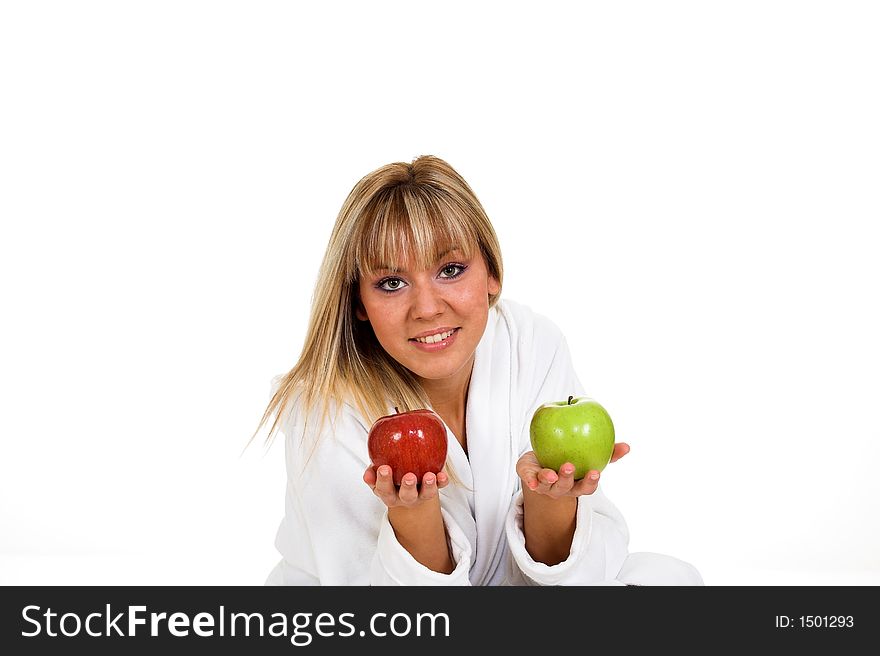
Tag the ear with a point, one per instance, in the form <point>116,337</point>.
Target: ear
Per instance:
<point>494,286</point>
<point>359,310</point>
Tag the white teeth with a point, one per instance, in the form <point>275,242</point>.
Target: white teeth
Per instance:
<point>433,339</point>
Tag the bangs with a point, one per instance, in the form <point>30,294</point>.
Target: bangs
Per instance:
<point>409,227</point>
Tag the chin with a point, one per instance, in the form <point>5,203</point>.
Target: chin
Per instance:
<point>447,370</point>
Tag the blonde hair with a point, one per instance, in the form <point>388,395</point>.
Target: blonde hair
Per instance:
<point>420,209</point>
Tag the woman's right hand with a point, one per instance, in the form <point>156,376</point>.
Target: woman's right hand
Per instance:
<point>414,514</point>
<point>408,495</point>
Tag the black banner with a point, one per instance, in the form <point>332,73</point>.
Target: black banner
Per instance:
<point>169,620</point>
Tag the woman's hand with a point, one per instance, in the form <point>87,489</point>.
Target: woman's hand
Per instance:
<point>414,514</point>
<point>561,484</point>
<point>408,495</point>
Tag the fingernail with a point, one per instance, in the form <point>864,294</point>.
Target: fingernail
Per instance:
<point>384,471</point>
<point>594,476</point>
<point>429,480</point>
<point>408,481</point>
<point>567,470</point>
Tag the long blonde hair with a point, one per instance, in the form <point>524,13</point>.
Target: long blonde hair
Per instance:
<point>419,209</point>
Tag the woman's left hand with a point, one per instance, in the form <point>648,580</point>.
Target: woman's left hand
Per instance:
<point>561,484</point>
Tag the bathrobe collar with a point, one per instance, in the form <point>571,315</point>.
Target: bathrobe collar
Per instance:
<point>490,447</point>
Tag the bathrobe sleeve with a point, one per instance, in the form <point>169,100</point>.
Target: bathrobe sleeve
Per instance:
<point>601,537</point>
<point>335,531</point>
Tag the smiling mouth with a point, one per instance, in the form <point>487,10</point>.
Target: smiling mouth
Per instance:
<point>434,339</point>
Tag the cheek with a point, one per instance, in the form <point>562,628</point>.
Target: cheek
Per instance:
<point>475,296</point>
<point>383,316</point>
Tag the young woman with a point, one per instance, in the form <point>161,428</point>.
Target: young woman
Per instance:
<point>407,314</point>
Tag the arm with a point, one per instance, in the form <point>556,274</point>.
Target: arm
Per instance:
<point>550,505</point>
<point>336,532</point>
<point>414,514</point>
<point>550,549</point>
<point>598,547</point>
<point>548,526</point>
<point>560,532</point>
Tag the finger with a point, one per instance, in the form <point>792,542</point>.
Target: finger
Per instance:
<point>385,487</point>
<point>528,472</point>
<point>620,450</point>
<point>429,487</point>
<point>442,480</point>
<point>409,494</point>
<point>566,479</point>
<point>370,476</point>
<point>546,478</point>
<point>588,484</point>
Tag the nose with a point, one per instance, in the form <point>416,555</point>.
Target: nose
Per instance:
<point>427,302</point>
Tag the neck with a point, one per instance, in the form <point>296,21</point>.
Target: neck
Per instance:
<point>449,397</point>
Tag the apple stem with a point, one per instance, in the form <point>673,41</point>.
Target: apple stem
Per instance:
<point>569,399</point>
<point>396,411</point>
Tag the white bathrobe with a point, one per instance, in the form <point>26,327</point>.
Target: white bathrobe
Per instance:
<point>336,531</point>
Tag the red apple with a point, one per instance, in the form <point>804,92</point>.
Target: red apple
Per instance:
<point>413,441</point>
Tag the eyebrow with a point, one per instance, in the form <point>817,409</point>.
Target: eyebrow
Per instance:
<point>385,267</point>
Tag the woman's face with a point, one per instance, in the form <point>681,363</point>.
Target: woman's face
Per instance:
<point>430,320</point>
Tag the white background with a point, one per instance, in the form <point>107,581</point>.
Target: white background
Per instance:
<point>689,189</point>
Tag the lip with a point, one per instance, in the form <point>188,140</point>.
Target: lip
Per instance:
<point>434,331</point>
<point>437,346</point>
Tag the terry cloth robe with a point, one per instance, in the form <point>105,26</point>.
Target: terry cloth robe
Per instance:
<point>335,531</point>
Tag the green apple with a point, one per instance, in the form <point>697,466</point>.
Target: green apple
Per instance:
<point>578,431</point>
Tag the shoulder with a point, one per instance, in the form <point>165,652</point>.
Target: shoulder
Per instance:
<point>295,417</point>
<point>318,444</point>
<point>526,326</point>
